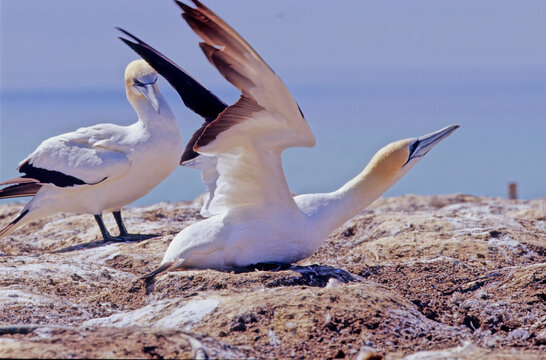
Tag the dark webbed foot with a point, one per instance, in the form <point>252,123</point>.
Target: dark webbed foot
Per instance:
<point>136,237</point>
<point>110,238</point>
<point>124,235</point>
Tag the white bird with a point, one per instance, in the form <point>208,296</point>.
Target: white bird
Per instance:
<point>253,216</point>
<point>102,167</point>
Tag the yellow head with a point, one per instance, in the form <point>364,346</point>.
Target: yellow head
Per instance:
<point>394,160</point>
<point>140,82</point>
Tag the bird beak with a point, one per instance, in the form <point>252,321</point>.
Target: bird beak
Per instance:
<point>427,142</point>
<point>148,90</point>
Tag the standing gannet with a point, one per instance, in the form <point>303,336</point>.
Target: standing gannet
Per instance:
<point>102,167</point>
<point>253,216</point>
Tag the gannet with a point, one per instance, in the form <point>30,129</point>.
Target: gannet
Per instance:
<point>252,216</point>
<point>102,167</point>
<point>197,98</point>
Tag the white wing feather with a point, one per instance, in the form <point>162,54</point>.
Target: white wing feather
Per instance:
<point>209,176</point>
<point>90,154</point>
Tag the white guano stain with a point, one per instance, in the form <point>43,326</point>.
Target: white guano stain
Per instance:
<point>165,314</point>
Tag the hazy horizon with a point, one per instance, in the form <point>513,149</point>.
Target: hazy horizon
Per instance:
<point>365,73</point>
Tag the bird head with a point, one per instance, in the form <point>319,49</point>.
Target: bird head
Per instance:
<point>396,159</point>
<point>140,80</point>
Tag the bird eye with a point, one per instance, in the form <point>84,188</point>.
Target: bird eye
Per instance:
<point>137,83</point>
<point>413,147</point>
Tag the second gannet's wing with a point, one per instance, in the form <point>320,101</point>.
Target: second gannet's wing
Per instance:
<point>84,157</point>
<point>248,137</point>
<point>194,95</point>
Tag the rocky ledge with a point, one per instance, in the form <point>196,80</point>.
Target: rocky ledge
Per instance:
<point>413,277</point>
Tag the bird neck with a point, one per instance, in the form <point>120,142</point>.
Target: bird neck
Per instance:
<point>330,210</point>
<point>163,120</point>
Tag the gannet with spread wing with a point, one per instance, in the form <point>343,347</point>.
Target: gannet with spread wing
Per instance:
<point>102,167</point>
<point>253,217</point>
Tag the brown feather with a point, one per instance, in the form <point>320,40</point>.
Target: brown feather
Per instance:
<point>233,115</point>
<point>19,180</point>
<point>20,190</point>
<point>189,153</point>
<point>235,59</point>
<point>230,68</point>
<point>214,35</point>
<point>220,29</point>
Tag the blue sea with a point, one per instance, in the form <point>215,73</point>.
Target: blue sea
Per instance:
<point>502,137</point>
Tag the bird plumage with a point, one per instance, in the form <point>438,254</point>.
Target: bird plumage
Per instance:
<point>194,95</point>
<point>102,167</point>
<point>252,216</point>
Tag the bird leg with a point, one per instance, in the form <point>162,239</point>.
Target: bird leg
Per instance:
<point>104,231</point>
<point>124,235</point>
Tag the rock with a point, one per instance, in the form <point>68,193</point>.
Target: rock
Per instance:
<point>541,338</point>
<point>460,274</point>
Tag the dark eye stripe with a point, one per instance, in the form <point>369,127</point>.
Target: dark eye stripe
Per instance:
<point>413,147</point>
<point>139,83</point>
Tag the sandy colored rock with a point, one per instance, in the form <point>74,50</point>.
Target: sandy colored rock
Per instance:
<point>414,277</point>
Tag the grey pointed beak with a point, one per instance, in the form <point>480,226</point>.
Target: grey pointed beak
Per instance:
<point>148,90</point>
<point>427,142</point>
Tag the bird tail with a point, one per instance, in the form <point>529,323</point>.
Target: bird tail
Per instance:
<point>19,187</point>
<point>164,267</point>
<point>12,226</point>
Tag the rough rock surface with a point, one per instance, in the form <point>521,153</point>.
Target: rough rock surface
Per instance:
<point>411,277</point>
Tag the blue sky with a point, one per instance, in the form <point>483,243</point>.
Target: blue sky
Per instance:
<point>67,43</point>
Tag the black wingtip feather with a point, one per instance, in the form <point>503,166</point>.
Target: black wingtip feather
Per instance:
<point>194,95</point>
<point>13,223</point>
<point>181,5</point>
<point>127,42</point>
<point>140,42</point>
<point>127,33</point>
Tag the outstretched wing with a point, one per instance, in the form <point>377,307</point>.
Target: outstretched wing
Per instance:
<point>248,137</point>
<point>194,95</point>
